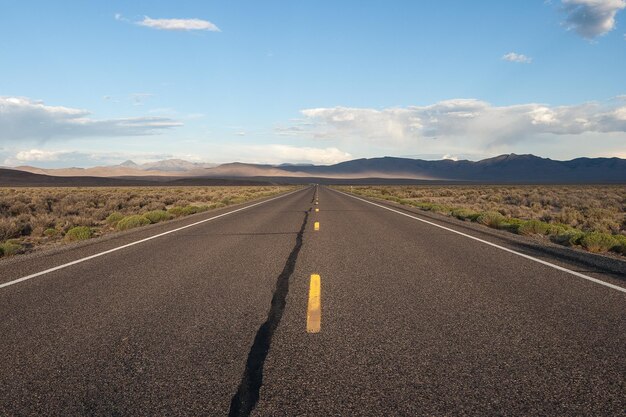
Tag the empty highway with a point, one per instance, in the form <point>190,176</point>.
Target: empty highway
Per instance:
<point>314,303</point>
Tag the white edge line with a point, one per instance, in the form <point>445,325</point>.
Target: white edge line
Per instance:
<point>532,258</point>
<point>86,258</point>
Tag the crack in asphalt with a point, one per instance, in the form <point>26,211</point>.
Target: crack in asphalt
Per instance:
<point>247,396</point>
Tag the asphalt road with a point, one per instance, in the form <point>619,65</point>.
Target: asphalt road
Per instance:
<point>212,320</point>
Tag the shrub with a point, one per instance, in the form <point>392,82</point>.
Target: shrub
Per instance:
<point>156,216</point>
<point>8,229</point>
<point>533,227</point>
<point>187,210</point>
<point>131,222</point>
<point>176,211</point>
<point>511,224</point>
<point>491,219</point>
<point>10,248</point>
<point>620,246</point>
<point>78,233</point>
<point>598,242</point>
<point>568,237</point>
<point>114,217</point>
<point>50,232</point>
<point>465,214</point>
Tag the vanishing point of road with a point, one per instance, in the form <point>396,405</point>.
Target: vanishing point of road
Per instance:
<point>313,303</point>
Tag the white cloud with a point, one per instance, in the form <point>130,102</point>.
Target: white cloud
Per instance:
<point>450,157</point>
<point>394,124</point>
<point>279,153</point>
<point>461,125</point>
<point>265,154</point>
<point>52,158</point>
<point>520,58</point>
<point>178,24</point>
<point>23,118</point>
<point>591,18</point>
<point>282,153</point>
<point>40,155</point>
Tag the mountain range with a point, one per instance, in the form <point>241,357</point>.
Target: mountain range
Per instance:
<point>509,168</point>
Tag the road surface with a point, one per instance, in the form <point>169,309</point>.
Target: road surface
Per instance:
<point>221,318</point>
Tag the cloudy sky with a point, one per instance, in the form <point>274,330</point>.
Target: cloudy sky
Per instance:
<point>96,83</point>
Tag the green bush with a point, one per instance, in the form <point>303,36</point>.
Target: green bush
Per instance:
<point>491,219</point>
<point>569,237</point>
<point>620,246</point>
<point>114,217</point>
<point>10,248</point>
<point>598,242</point>
<point>533,227</point>
<point>511,224</point>
<point>465,214</point>
<point>156,216</point>
<point>555,229</point>
<point>131,222</point>
<point>50,232</point>
<point>78,233</point>
<point>187,210</point>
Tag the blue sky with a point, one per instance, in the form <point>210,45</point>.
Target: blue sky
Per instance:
<point>93,83</point>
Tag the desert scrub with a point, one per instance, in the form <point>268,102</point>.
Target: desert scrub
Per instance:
<point>10,248</point>
<point>491,219</point>
<point>50,232</point>
<point>113,218</point>
<point>569,237</point>
<point>590,216</point>
<point>130,222</point>
<point>465,214</point>
<point>620,246</point>
<point>78,233</point>
<point>187,210</point>
<point>598,242</point>
<point>36,216</point>
<point>156,216</point>
<point>533,227</point>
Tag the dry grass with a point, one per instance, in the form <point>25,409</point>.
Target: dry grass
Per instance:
<point>32,217</point>
<point>591,216</point>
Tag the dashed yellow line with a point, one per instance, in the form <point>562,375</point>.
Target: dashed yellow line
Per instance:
<point>314,310</point>
<point>317,210</point>
<point>316,226</point>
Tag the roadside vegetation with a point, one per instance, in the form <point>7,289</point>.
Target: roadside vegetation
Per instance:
<point>39,216</point>
<point>588,216</point>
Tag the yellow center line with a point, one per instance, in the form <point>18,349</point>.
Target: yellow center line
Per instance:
<point>317,210</point>
<point>314,311</point>
<point>316,226</point>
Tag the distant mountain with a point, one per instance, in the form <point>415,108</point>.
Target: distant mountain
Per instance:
<point>295,165</point>
<point>503,168</point>
<point>174,165</point>
<point>129,164</point>
<point>168,167</point>
<point>510,168</point>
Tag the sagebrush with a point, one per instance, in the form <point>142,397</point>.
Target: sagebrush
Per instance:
<point>590,216</point>
<point>35,216</point>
